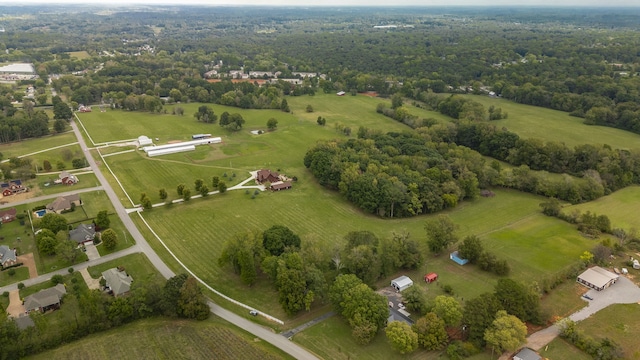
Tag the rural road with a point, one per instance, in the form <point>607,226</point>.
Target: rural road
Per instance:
<point>143,246</point>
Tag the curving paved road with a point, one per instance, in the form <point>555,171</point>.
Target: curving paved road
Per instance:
<point>143,246</point>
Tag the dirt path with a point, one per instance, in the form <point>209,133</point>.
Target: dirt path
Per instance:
<point>28,261</point>
<point>15,307</point>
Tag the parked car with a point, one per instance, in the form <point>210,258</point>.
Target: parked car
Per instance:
<point>253,312</point>
<point>587,297</point>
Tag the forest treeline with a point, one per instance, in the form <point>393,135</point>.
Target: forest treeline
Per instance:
<point>436,167</point>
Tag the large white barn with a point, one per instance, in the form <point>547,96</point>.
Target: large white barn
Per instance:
<point>402,283</point>
<point>179,147</point>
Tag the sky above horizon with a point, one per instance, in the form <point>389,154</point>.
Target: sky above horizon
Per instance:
<point>566,3</point>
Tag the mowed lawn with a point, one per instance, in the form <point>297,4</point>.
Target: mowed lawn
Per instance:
<point>552,125</point>
<point>621,207</point>
<point>162,338</point>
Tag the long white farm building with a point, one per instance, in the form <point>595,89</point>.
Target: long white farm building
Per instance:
<point>179,147</point>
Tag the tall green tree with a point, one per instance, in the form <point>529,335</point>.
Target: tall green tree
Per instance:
<point>54,222</point>
<point>102,220</point>
<point>109,239</point>
<point>279,237</point>
<point>478,314</point>
<point>440,233</point>
<point>506,333</point>
<point>448,309</point>
<point>402,337</point>
<point>191,302</point>
<point>471,249</point>
<point>431,332</point>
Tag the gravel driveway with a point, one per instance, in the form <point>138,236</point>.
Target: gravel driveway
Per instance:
<point>622,292</point>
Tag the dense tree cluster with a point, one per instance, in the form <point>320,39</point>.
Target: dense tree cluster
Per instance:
<point>396,174</point>
<point>365,310</point>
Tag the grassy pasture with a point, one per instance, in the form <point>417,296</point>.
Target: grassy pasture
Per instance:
<point>162,338</point>
<point>137,265</point>
<point>620,323</point>
<point>552,125</point>
<point>79,54</point>
<point>38,144</point>
<point>324,218</point>
<point>621,207</point>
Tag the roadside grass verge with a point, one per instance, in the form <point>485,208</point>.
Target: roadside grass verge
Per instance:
<point>22,273</point>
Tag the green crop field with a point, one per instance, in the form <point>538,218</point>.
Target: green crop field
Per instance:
<point>621,207</point>
<point>553,125</point>
<point>161,338</point>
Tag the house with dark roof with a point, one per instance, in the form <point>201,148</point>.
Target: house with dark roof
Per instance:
<point>84,233</point>
<point>526,354</point>
<point>24,321</point>
<point>266,175</point>
<point>46,299</point>
<point>8,215</point>
<point>7,256</point>
<point>63,203</point>
<point>118,282</point>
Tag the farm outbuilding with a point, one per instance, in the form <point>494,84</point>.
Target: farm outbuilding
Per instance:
<point>597,278</point>
<point>160,149</point>
<point>456,257</point>
<point>171,150</point>
<point>401,283</point>
<point>430,277</point>
<point>144,141</point>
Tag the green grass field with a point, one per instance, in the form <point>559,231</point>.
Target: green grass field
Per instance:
<point>79,54</point>
<point>621,207</point>
<point>552,125</point>
<point>621,323</point>
<point>161,338</point>
<point>38,144</point>
<point>559,349</point>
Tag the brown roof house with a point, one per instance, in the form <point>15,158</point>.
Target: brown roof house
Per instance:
<point>280,185</point>
<point>266,175</point>
<point>8,215</point>
<point>118,282</point>
<point>84,233</point>
<point>46,299</point>
<point>63,203</point>
<point>7,256</point>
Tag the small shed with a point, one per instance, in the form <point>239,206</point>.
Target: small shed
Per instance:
<point>340,93</point>
<point>430,277</point>
<point>401,283</point>
<point>455,256</point>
